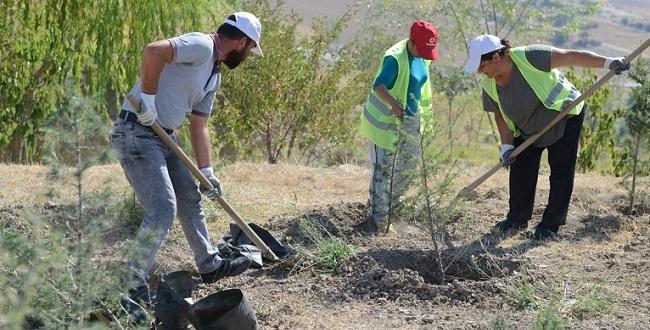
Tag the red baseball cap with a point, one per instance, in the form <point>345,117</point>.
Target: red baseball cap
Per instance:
<point>425,37</point>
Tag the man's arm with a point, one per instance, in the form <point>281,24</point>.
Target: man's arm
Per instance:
<point>156,55</point>
<point>200,137</point>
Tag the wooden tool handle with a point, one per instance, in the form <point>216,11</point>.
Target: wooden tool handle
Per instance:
<point>206,183</point>
<point>469,188</point>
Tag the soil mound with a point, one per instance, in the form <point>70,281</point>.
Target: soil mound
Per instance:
<point>413,275</point>
<point>345,220</point>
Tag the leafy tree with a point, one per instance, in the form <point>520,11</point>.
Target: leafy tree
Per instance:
<point>44,43</point>
<point>297,98</point>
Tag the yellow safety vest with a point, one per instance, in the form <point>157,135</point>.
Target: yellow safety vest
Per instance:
<point>552,88</point>
<point>378,123</point>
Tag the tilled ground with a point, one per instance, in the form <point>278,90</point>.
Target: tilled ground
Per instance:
<point>394,280</point>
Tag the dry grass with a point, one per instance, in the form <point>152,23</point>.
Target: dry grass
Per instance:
<point>261,191</point>
<point>257,191</point>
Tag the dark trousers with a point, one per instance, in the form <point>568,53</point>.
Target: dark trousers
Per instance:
<point>562,157</point>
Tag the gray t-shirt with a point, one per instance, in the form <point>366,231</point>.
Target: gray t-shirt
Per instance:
<point>188,83</point>
<point>521,104</point>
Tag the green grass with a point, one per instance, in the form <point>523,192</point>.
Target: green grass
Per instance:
<point>499,323</point>
<point>128,211</point>
<point>525,297</point>
<point>328,251</point>
<point>590,302</point>
<point>548,319</point>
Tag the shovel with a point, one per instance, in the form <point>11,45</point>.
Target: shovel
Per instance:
<point>465,192</point>
<point>206,184</point>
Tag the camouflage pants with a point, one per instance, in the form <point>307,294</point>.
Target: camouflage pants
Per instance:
<point>388,184</point>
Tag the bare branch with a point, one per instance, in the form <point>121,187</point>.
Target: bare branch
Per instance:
<point>519,17</point>
<point>485,14</point>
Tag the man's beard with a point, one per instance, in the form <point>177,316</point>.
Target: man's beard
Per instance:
<point>234,58</point>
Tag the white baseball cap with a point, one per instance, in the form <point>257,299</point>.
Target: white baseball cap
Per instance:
<point>250,25</point>
<point>481,45</point>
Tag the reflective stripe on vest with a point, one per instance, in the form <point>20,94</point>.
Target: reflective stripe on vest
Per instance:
<point>551,88</point>
<point>379,105</point>
<point>374,100</point>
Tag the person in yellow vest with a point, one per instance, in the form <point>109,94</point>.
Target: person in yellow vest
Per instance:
<point>525,91</point>
<point>400,96</point>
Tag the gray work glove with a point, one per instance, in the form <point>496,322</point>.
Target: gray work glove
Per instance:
<point>506,150</point>
<point>212,194</point>
<point>616,64</point>
<point>148,114</point>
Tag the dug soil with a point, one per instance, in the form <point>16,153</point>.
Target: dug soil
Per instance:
<point>595,275</point>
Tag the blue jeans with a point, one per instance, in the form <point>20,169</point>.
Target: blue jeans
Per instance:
<point>165,188</point>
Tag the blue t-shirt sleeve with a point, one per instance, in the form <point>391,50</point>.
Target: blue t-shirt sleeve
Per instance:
<point>388,73</point>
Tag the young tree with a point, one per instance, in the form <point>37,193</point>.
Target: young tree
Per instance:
<point>54,280</point>
<point>637,120</point>
<point>451,83</point>
<point>598,128</point>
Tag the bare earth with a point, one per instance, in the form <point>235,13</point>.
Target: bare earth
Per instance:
<point>392,280</point>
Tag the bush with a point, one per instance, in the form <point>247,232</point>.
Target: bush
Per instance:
<point>547,319</point>
<point>296,102</point>
<point>499,323</point>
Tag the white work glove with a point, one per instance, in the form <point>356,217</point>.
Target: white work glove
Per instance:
<point>616,64</point>
<point>211,193</point>
<point>148,114</point>
<point>506,150</point>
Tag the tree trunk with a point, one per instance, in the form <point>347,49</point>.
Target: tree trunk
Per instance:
<point>432,227</point>
<point>269,147</point>
<point>634,169</point>
<point>450,102</point>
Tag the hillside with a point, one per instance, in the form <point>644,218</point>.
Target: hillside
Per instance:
<point>621,26</point>
<point>593,276</point>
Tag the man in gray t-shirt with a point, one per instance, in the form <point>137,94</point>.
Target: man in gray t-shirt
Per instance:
<point>525,92</point>
<point>179,78</point>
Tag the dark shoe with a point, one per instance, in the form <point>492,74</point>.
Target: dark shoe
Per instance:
<point>509,227</point>
<point>228,267</point>
<point>543,232</point>
<point>134,302</point>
